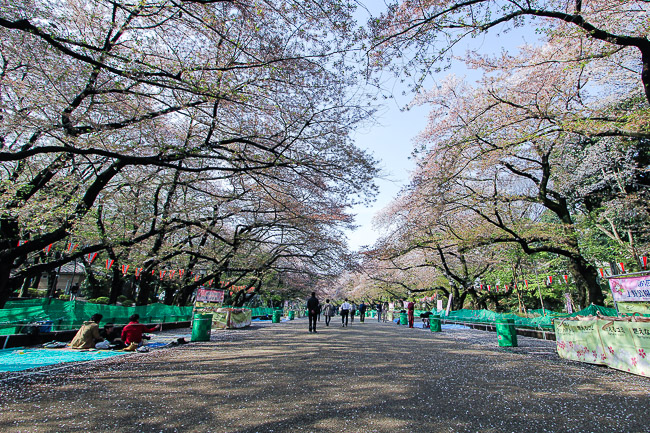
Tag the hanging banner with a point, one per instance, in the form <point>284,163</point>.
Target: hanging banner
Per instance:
<point>620,344</point>
<point>109,263</point>
<point>578,340</point>
<point>205,295</point>
<point>91,257</point>
<point>229,318</point>
<point>630,289</point>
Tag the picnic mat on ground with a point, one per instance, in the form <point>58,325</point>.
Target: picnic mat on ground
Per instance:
<point>24,359</point>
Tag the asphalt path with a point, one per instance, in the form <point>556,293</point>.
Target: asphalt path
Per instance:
<point>368,377</point>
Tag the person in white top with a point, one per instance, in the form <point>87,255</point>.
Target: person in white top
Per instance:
<point>353,311</point>
<point>345,309</point>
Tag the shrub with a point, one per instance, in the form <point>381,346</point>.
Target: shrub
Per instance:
<point>127,303</point>
<point>64,297</point>
<point>36,293</point>
<point>100,300</point>
<point>121,299</point>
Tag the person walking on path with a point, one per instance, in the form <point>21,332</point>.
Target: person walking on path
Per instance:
<point>362,312</point>
<point>379,311</point>
<point>353,311</point>
<point>385,310</point>
<point>410,308</point>
<point>328,311</point>
<point>312,308</point>
<point>345,309</point>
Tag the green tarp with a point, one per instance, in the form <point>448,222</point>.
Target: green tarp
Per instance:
<point>71,314</point>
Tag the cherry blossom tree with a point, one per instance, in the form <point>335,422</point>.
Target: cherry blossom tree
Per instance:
<point>424,33</point>
<point>94,92</point>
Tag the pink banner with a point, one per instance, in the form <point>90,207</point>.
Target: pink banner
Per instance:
<point>630,289</point>
<point>205,295</point>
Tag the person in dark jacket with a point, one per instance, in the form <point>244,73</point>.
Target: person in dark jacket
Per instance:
<point>362,312</point>
<point>312,311</point>
<point>111,334</point>
<point>379,308</point>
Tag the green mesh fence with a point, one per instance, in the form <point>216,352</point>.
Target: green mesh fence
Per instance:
<point>261,312</point>
<point>535,318</point>
<point>71,314</point>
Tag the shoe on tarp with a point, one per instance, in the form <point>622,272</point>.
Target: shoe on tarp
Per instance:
<point>131,347</point>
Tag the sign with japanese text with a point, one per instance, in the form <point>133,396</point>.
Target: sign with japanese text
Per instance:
<point>206,295</point>
<point>630,289</point>
<point>620,344</point>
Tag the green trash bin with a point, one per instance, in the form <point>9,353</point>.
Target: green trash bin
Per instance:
<point>435,324</point>
<point>292,315</point>
<point>201,327</point>
<point>506,332</point>
<point>276,316</point>
<point>403,319</point>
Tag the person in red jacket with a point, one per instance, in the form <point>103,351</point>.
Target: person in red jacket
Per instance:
<point>410,308</point>
<point>132,333</point>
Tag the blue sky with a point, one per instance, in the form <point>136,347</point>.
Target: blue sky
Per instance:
<point>391,140</point>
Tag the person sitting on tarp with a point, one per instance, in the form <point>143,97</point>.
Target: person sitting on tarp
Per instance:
<point>88,334</point>
<point>112,335</point>
<point>132,333</point>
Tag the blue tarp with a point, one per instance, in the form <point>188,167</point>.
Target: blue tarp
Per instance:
<point>23,359</point>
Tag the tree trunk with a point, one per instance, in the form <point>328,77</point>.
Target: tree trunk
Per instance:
<point>458,299</point>
<point>586,278</point>
<point>93,284</point>
<point>116,284</point>
<point>146,288</point>
<point>5,272</point>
